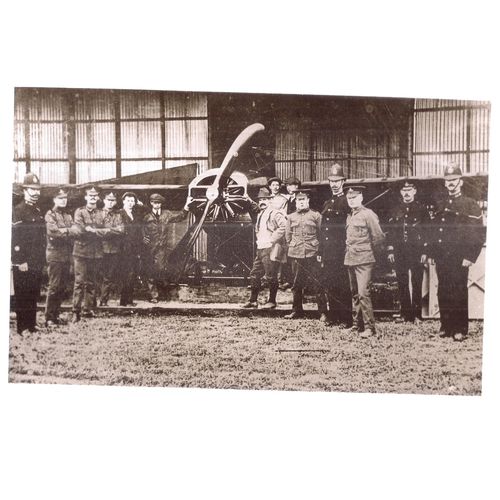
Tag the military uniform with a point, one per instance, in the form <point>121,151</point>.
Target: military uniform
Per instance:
<point>88,255</point>
<point>364,239</point>
<point>456,234</point>
<point>112,255</point>
<point>60,237</point>
<point>336,293</point>
<point>28,246</point>
<point>407,230</point>
<point>302,236</point>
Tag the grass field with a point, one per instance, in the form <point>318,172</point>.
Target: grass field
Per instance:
<point>222,349</point>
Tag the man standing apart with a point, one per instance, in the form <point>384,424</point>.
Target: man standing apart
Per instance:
<point>28,248</point>
<point>302,235</point>
<point>60,238</point>
<point>111,247</point>
<point>88,254</point>
<point>407,249</point>
<point>158,242</point>
<point>456,243</point>
<point>335,302</point>
<point>269,232</point>
<point>364,239</point>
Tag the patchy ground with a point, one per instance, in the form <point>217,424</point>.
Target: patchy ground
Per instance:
<point>228,351</point>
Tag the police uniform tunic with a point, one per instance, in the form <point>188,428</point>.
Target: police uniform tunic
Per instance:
<point>407,230</point>
<point>364,238</point>
<point>28,246</point>
<point>457,234</point>
<point>334,276</point>
<point>302,235</point>
<point>60,238</point>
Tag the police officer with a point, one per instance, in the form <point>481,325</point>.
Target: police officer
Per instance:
<point>60,238</point>
<point>407,229</point>
<point>455,244</point>
<point>157,235</point>
<point>28,249</point>
<point>364,240</point>
<point>111,247</point>
<point>302,234</point>
<point>88,254</point>
<point>269,235</point>
<point>335,300</point>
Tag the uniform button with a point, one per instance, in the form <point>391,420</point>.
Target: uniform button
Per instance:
<point>406,216</point>
<point>326,238</point>
<point>326,229</point>
<point>442,219</point>
<point>439,241</point>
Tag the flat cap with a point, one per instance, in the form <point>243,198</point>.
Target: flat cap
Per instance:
<point>157,197</point>
<point>272,179</point>
<point>109,195</point>
<point>129,194</point>
<point>293,180</point>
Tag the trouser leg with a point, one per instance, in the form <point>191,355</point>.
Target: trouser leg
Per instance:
<point>271,269</point>
<point>357,316</point>
<point>255,276</point>
<point>417,273</point>
<point>110,265</point>
<point>58,273</point>
<point>26,290</point>
<point>298,284</point>
<point>80,267</point>
<point>364,279</point>
<point>403,279</point>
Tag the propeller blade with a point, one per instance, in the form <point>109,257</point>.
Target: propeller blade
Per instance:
<point>178,258</point>
<point>227,166</point>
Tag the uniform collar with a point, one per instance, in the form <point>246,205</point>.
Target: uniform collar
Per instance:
<point>454,196</point>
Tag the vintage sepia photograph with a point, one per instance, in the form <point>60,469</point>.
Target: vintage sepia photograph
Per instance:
<point>283,242</point>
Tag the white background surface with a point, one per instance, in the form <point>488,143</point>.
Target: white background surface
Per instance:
<point>63,442</point>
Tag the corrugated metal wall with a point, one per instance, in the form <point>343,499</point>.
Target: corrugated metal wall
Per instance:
<point>450,130</point>
<point>77,136</point>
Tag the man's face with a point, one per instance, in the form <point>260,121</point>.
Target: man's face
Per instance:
<point>291,188</point>
<point>60,202</point>
<point>156,205</point>
<point>109,203</point>
<point>454,186</point>
<point>263,203</point>
<point>336,186</point>
<point>31,195</point>
<point>354,200</point>
<point>408,194</point>
<point>91,199</point>
<point>129,202</point>
<point>274,187</point>
<point>302,203</point>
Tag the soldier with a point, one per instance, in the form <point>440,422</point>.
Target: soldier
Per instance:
<point>60,238</point>
<point>455,245</point>
<point>335,300</point>
<point>28,248</point>
<point>111,247</point>
<point>302,235</point>
<point>274,184</point>
<point>269,232</point>
<point>406,249</point>
<point>88,254</point>
<point>131,249</point>
<point>158,242</point>
<point>364,240</point>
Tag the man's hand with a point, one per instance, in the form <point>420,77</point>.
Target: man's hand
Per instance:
<point>23,267</point>
<point>189,200</point>
<point>467,263</point>
<point>146,240</point>
<point>90,229</point>
<point>319,258</point>
<point>390,258</point>
<point>430,261</point>
<point>423,259</point>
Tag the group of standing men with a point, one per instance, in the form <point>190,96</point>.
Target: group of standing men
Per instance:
<point>334,252</point>
<point>105,246</point>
